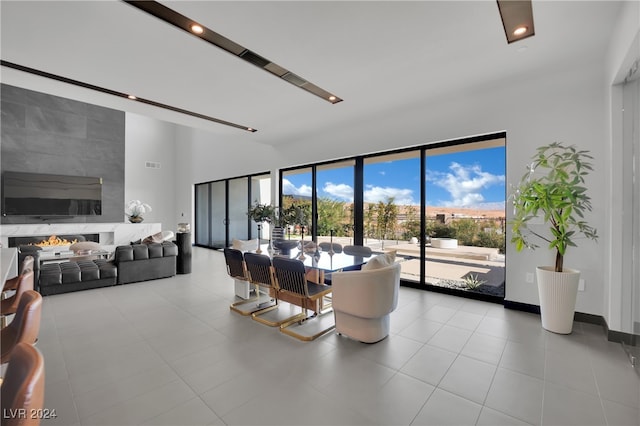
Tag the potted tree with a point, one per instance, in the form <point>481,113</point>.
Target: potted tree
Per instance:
<point>553,189</point>
<point>261,213</point>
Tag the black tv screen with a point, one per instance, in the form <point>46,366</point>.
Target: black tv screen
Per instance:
<point>35,194</point>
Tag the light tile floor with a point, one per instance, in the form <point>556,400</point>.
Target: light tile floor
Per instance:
<point>170,352</point>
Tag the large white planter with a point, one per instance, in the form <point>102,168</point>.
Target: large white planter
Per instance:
<point>558,292</point>
<point>444,243</point>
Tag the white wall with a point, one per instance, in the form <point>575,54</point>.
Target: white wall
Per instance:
<point>202,156</point>
<point>148,139</point>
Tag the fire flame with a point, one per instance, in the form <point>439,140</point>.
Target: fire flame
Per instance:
<point>53,240</point>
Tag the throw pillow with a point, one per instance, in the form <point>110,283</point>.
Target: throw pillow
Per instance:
<point>85,247</point>
<point>380,261</point>
<point>158,237</point>
<point>244,245</point>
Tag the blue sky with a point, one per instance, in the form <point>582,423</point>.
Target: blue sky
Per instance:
<point>472,179</point>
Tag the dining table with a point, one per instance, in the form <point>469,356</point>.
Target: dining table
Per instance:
<point>319,263</point>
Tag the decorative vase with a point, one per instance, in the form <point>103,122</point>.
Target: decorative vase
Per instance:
<point>135,219</point>
<point>558,292</point>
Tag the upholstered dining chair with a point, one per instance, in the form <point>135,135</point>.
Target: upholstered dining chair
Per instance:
<point>22,389</point>
<point>25,325</point>
<point>9,305</point>
<point>363,300</point>
<point>294,288</point>
<point>237,270</point>
<point>329,246</point>
<point>261,274</point>
<point>12,283</point>
<point>363,251</point>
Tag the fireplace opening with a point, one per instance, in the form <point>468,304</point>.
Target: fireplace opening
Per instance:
<point>52,240</point>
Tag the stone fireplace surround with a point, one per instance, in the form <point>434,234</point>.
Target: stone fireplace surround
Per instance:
<point>21,241</point>
<point>110,234</point>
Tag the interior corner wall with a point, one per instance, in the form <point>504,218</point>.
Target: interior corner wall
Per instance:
<point>150,169</point>
<point>204,156</point>
<point>43,133</point>
<point>624,49</point>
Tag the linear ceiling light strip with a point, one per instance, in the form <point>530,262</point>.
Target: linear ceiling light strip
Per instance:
<point>194,28</point>
<point>121,95</point>
<point>517,19</point>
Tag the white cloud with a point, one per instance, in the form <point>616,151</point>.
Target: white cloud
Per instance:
<point>464,184</point>
<point>341,191</point>
<point>290,189</point>
<point>401,196</point>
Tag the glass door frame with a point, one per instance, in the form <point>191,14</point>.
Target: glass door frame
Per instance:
<point>359,191</point>
<point>197,202</point>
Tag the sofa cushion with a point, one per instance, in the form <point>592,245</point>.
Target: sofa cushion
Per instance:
<point>169,249</point>
<point>70,272</point>
<point>88,270</point>
<point>107,268</point>
<point>155,250</point>
<point>140,251</point>
<point>50,274</point>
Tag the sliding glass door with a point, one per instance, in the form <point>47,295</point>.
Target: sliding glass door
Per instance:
<point>334,184</point>
<point>221,209</point>
<point>439,207</point>
<point>218,214</point>
<point>392,207</point>
<point>465,217</point>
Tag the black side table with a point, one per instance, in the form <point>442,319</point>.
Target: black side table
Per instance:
<point>183,241</point>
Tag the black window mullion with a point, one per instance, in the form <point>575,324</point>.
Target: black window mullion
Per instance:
<point>358,202</point>
<point>423,216</point>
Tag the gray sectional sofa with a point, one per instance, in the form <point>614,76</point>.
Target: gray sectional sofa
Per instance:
<point>131,263</point>
<point>142,262</point>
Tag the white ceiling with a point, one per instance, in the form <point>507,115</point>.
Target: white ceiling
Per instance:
<point>377,56</point>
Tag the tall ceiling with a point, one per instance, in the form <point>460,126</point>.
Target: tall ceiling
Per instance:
<point>378,56</point>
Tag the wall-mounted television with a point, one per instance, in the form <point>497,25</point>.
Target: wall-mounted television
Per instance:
<point>37,194</point>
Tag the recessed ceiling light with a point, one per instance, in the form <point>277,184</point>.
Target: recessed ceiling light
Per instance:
<point>520,30</point>
<point>133,98</point>
<point>208,35</point>
<point>517,19</point>
<point>196,29</point>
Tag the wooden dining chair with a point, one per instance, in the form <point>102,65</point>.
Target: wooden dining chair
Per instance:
<point>261,274</point>
<point>294,288</point>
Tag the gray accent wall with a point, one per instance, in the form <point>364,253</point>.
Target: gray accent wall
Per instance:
<point>42,133</point>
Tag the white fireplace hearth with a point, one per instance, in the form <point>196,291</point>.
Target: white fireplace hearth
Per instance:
<point>111,234</point>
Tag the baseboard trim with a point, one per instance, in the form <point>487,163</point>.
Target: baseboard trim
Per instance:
<point>453,292</point>
<point>612,335</point>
